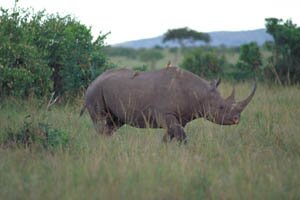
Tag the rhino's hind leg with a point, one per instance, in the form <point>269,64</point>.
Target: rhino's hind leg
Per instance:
<point>104,127</point>
<point>108,130</point>
<point>109,125</point>
<point>104,123</point>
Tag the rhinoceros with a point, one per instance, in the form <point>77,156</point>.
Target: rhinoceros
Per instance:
<point>168,98</point>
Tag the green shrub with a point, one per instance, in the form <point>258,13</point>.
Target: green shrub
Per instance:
<point>53,138</point>
<point>31,133</point>
<point>42,53</point>
<point>15,81</point>
<point>204,63</point>
<point>21,81</point>
<point>249,65</point>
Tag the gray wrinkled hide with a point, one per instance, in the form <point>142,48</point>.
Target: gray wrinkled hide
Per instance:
<point>168,98</point>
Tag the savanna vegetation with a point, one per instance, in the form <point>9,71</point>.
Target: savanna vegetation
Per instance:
<point>55,154</point>
<point>48,152</point>
<point>42,53</point>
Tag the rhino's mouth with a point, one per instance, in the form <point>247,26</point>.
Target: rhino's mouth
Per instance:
<point>235,120</point>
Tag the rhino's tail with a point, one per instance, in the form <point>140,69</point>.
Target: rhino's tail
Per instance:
<point>82,110</point>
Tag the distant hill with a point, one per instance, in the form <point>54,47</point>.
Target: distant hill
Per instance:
<point>226,38</point>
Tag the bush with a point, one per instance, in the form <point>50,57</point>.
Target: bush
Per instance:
<point>42,53</point>
<point>250,62</point>
<point>15,81</point>
<point>21,82</point>
<point>53,138</point>
<point>204,63</point>
<point>22,65</point>
<point>30,133</point>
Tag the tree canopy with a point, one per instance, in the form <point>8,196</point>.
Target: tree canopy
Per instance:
<point>184,35</point>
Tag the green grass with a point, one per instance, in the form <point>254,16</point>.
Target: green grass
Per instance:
<point>257,159</point>
<point>122,61</point>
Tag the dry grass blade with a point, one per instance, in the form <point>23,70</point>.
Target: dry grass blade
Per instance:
<point>52,100</point>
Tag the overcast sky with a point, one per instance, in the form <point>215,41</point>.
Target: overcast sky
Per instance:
<point>137,19</point>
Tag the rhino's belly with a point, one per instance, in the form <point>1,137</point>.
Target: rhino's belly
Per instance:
<point>143,120</point>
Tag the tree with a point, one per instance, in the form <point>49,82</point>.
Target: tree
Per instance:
<point>183,36</point>
<point>285,59</point>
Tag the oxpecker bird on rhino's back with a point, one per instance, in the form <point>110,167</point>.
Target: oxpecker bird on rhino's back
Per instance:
<point>168,98</point>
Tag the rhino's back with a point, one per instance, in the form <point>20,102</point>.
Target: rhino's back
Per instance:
<point>165,89</point>
<point>153,83</point>
<point>162,83</point>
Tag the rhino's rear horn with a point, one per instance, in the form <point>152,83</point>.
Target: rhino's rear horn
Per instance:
<point>231,97</point>
<point>242,104</point>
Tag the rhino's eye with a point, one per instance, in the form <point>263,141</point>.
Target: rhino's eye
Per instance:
<point>221,107</point>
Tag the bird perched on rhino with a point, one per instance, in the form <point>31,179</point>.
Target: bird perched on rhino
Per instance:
<point>169,64</point>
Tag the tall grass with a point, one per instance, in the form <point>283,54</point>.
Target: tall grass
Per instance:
<point>257,159</point>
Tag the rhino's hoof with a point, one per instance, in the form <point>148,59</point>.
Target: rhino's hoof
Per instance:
<point>166,138</point>
<point>184,141</point>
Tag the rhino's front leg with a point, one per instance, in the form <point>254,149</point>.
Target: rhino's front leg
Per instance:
<point>174,130</point>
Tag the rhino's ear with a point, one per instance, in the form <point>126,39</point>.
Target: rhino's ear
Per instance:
<point>215,83</point>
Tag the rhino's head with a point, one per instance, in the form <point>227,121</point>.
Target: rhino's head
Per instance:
<point>225,111</point>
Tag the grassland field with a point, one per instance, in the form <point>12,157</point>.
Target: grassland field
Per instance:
<point>256,159</point>
<point>175,59</point>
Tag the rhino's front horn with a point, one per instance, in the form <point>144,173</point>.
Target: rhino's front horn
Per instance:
<point>231,98</point>
<point>242,104</point>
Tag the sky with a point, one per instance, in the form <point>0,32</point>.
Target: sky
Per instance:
<point>138,19</point>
